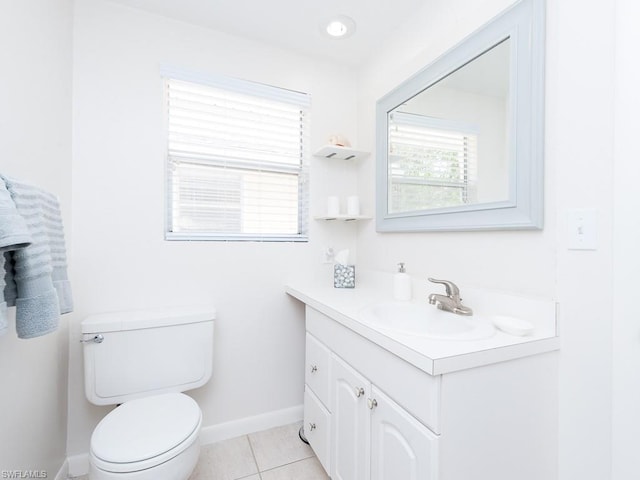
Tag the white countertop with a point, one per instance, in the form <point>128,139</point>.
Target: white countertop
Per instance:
<point>432,355</point>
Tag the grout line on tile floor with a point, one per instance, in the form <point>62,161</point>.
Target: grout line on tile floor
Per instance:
<point>251,476</point>
<point>285,465</point>
<point>253,454</point>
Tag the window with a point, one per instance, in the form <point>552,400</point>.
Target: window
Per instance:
<point>237,160</point>
<point>432,163</point>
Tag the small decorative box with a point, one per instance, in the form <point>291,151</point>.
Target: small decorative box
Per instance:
<point>344,276</point>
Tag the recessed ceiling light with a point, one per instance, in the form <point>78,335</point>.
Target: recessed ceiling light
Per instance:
<point>339,26</point>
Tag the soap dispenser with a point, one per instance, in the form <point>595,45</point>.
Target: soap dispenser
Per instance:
<point>401,284</point>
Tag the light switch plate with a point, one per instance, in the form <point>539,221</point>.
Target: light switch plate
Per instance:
<point>582,229</point>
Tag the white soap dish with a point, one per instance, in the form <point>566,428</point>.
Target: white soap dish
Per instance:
<point>513,325</point>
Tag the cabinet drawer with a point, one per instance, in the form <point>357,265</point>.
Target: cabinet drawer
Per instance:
<point>317,421</point>
<point>318,360</point>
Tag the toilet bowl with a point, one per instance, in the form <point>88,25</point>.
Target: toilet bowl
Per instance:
<point>141,361</point>
<point>150,438</point>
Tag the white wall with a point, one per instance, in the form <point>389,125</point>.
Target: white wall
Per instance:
<point>35,141</point>
<point>580,151</point>
<point>122,260</point>
<point>626,261</point>
<point>578,173</point>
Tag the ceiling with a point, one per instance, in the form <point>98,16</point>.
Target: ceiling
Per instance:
<point>293,24</point>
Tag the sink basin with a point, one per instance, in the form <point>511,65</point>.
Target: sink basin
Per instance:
<point>424,320</point>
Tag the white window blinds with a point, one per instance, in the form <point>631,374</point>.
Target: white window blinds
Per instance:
<point>432,163</point>
<point>237,160</point>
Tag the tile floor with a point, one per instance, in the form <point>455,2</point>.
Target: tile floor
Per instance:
<point>275,454</point>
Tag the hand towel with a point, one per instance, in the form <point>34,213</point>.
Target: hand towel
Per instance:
<point>14,235</point>
<point>55,235</point>
<point>36,275</point>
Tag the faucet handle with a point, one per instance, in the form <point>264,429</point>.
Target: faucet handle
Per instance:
<point>450,287</point>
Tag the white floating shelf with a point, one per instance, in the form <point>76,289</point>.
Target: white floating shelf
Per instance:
<point>340,153</point>
<point>343,218</point>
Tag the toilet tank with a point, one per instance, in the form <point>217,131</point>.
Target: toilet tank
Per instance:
<point>135,354</point>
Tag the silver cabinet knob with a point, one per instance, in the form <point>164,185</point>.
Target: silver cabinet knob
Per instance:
<point>99,338</point>
<point>359,391</point>
<point>372,403</point>
<point>312,427</point>
<point>314,368</point>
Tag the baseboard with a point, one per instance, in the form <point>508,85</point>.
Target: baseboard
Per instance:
<point>243,426</point>
<point>78,465</point>
<point>63,473</point>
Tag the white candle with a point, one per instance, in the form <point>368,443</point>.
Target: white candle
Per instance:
<point>353,206</point>
<point>333,206</point>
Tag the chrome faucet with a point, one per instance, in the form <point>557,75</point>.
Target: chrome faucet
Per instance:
<point>451,302</point>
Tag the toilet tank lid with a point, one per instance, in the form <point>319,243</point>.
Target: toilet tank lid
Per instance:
<point>147,318</point>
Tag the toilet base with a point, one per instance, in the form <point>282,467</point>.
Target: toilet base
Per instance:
<point>179,467</point>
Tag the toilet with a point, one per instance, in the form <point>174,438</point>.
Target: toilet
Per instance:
<point>143,361</point>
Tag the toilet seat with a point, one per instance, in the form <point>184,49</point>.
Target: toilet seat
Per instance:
<point>146,432</point>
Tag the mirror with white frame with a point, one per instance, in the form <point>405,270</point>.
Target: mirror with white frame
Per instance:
<point>460,144</point>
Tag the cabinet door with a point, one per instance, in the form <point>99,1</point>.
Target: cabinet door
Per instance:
<point>349,423</point>
<point>401,447</point>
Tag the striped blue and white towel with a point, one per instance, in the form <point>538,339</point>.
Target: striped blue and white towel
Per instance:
<point>14,235</point>
<point>36,276</point>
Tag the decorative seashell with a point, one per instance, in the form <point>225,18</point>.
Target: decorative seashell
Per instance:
<point>339,140</point>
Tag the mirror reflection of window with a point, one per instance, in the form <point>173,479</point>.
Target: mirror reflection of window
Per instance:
<point>432,163</point>
<point>448,144</point>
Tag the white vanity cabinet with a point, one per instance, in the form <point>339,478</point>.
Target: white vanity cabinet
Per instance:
<point>370,415</point>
